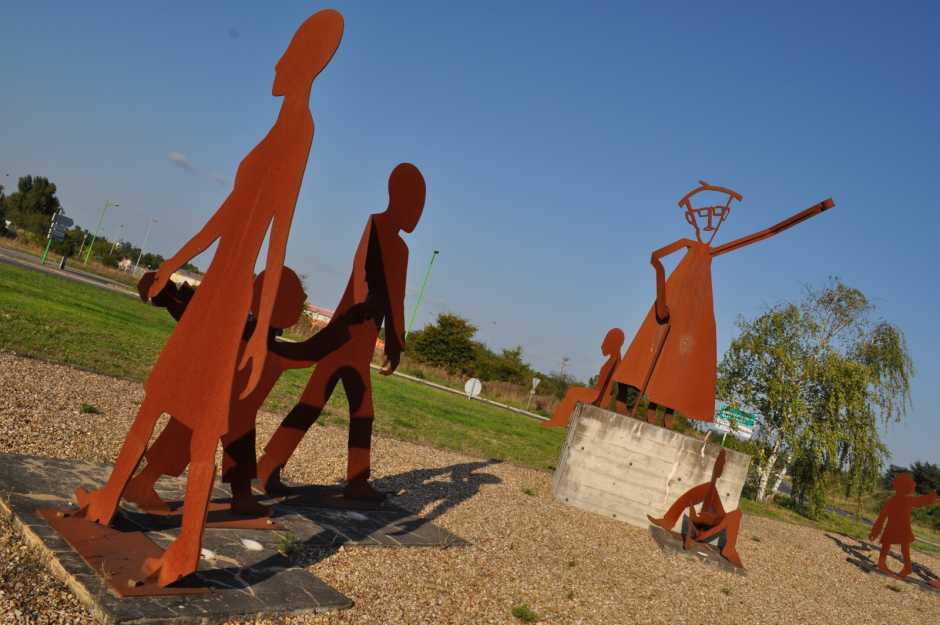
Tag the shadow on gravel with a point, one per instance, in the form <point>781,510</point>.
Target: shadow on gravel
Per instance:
<point>863,555</point>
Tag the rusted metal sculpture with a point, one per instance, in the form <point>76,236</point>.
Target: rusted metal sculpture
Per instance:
<point>193,378</point>
<point>711,520</point>
<point>672,359</point>
<point>600,394</point>
<point>894,524</point>
<point>169,455</point>
<point>374,294</point>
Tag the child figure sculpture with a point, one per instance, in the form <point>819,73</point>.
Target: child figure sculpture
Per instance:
<point>672,359</point>
<point>894,523</point>
<point>600,394</point>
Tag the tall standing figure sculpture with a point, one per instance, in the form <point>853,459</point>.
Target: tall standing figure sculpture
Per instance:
<point>600,394</point>
<point>374,295</point>
<point>672,359</point>
<point>193,377</point>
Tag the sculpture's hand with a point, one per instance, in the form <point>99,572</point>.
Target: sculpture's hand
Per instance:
<point>159,282</point>
<point>255,354</point>
<point>390,363</point>
<point>144,284</point>
<point>873,535</point>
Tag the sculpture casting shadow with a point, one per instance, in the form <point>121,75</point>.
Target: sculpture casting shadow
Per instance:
<point>860,555</point>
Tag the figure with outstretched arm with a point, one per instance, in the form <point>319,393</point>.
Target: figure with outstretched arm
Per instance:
<point>193,377</point>
<point>672,359</point>
<point>893,524</point>
<point>600,394</point>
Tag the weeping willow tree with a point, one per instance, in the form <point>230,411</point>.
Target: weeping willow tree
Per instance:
<point>827,379</point>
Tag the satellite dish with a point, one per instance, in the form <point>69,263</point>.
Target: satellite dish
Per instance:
<point>472,388</point>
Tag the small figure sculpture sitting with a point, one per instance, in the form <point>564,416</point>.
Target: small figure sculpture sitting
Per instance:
<point>897,530</point>
<point>600,394</point>
<point>711,520</point>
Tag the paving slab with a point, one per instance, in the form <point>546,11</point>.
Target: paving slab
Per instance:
<point>242,580</point>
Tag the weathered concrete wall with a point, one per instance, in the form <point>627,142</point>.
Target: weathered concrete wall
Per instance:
<point>625,468</point>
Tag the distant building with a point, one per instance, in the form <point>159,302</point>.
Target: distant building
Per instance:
<point>320,316</point>
<point>189,277</point>
<point>125,264</point>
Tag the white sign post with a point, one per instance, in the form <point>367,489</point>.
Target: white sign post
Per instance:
<point>535,385</point>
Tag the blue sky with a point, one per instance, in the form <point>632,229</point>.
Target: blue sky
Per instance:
<point>555,140</point>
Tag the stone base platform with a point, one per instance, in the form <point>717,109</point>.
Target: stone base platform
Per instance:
<point>239,578</point>
<point>625,468</point>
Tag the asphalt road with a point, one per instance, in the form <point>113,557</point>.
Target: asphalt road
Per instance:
<point>28,261</point>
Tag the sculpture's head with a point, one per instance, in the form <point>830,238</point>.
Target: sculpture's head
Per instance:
<point>288,302</point>
<point>406,193</point>
<point>904,484</point>
<point>612,342</point>
<point>708,218</point>
<point>309,51</point>
<point>719,467</point>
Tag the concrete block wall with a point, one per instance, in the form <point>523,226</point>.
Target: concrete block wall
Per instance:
<point>625,468</point>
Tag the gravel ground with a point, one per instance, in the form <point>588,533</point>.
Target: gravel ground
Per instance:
<point>566,565</point>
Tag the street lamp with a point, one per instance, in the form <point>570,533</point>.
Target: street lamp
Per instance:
<point>98,227</point>
<point>153,220</point>
<point>424,283</point>
<point>114,243</point>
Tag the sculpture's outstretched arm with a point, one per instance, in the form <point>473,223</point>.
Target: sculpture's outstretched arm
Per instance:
<point>662,309</point>
<point>603,378</point>
<point>192,248</point>
<point>812,211</point>
<point>926,500</point>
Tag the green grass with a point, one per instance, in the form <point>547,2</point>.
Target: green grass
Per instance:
<point>525,614</point>
<point>58,320</point>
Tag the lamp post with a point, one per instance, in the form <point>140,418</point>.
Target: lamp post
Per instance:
<point>98,227</point>
<point>424,283</point>
<point>114,243</point>
<point>153,220</point>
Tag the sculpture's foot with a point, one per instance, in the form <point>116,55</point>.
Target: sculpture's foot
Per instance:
<point>140,491</point>
<point>270,478</point>
<point>730,554</point>
<point>98,507</point>
<point>935,583</point>
<point>906,570</point>
<point>361,489</point>
<point>883,567</point>
<point>660,522</point>
<point>172,566</point>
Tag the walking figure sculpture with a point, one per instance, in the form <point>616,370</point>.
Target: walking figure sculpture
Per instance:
<point>375,294</point>
<point>193,377</point>
<point>672,359</point>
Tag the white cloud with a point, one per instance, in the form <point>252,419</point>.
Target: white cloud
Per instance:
<point>179,159</point>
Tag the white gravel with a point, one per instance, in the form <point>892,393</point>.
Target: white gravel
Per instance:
<point>566,565</point>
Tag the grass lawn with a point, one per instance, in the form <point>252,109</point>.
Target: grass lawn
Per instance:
<point>63,321</point>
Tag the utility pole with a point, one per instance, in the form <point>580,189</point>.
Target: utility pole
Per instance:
<point>153,220</point>
<point>82,246</point>
<point>564,363</point>
<point>424,283</point>
<point>98,227</point>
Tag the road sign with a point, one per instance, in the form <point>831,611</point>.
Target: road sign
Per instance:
<point>736,422</point>
<point>473,388</point>
<point>60,223</point>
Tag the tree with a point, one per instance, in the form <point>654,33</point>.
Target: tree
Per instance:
<point>447,343</point>
<point>33,204</point>
<point>824,378</point>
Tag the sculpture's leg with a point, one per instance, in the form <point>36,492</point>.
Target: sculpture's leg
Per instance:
<point>358,387</point>
<point>182,557</point>
<point>731,523</point>
<point>883,558</point>
<point>562,414</point>
<point>690,498</point>
<point>169,455</point>
<point>101,505</point>
<point>292,429</point>
<point>239,466</point>
<point>908,565</point>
